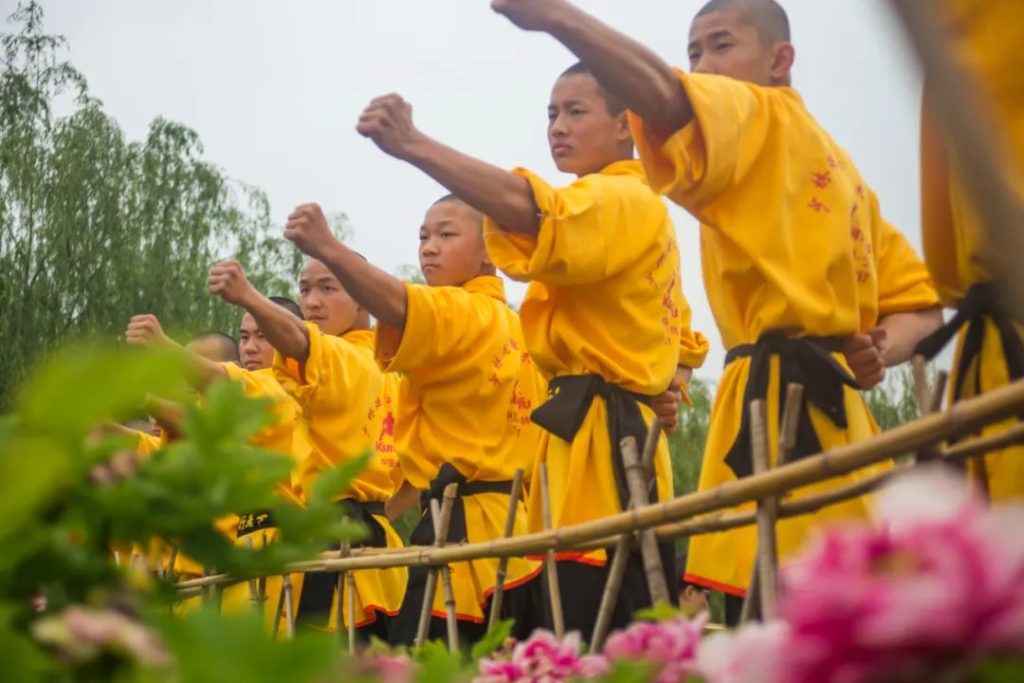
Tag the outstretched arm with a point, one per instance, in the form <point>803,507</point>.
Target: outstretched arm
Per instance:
<point>639,77</point>
<point>145,330</point>
<point>284,331</point>
<point>903,331</point>
<point>381,294</point>
<point>492,191</point>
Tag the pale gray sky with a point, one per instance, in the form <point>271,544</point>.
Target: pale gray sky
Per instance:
<point>274,90</point>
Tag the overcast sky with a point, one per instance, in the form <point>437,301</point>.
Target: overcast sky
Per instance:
<point>274,90</point>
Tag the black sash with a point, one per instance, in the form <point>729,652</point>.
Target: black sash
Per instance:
<point>802,360</point>
<point>423,534</point>
<point>319,587</point>
<point>569,399</point>
<point>980,302</point>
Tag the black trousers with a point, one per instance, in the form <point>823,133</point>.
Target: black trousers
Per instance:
<point>582,585</point>
<point>522,604</point>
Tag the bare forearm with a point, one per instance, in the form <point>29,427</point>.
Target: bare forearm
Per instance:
<point>905,330</point>
<point>381,294</point>
<point>503,196</point>
<point>284,331</point>
<point>645,82</point>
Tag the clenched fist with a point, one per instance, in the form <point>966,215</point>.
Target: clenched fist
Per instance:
<point>531,15</point>
<point>307,228</point>
<point>864,355</point>
<point>666,404</point>
<point>145,330</point>
<point>227,280</point>
<point>388,122</point>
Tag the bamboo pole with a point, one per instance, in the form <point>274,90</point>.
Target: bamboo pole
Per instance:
<point>767,512</point>
<point>617,568</point>
<point>441,520</point>
<point>929,401</point>
<point>510,525</point>
<point>446,572</point>
<point>550,567</point>
<point>346,602</point>
<point>964,418</point>
<point>788,430</point>
<point>636,480</point>
<point>253,583</point>
<point>976,142</point>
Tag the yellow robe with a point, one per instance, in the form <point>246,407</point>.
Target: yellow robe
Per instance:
<point>604,298</point>
<point>987,36</point>
<point>288,434</point>
<point>791,239</point>
<point>349,406</point>
<point>468,386</point>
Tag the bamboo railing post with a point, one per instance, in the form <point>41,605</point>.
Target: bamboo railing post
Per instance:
<point>446,572</point>
<point>440,517</point>
<point>254,600</point>
<point>172,558</point>
<point>636,480</point>
<point>767,514</point>
<point>550,566</point>
<point>623,547</point>
<point>346,601</point>
<point>787,444</point>
<point>285,609</point>
<point>510,524</point>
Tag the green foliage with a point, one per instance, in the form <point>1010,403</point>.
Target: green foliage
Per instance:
<point>892,402</point>
<point>95,228</point>
<point>493,641</point>
<point>59,527</point>
<point>686,445</point>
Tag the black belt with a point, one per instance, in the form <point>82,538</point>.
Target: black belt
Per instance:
<point>423,534</point>
<point>802,360</point>
<point>569,400</point>
<point>980,302</point>
<point>253,522</point>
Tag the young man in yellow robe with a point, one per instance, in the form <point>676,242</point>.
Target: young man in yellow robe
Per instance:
<point>792,243</point>
<point>467,389</point>
<point>604,317</point>
<point>326,364</point>
<point>287,434</point>
<point>985,37</point>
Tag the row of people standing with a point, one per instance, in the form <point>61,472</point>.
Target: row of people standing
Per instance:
<point>807,282</point>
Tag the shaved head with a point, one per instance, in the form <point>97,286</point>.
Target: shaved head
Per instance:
<point>767,16</point>
<point>216,346</point>
<point>614,104</point>
<point>477,216</point>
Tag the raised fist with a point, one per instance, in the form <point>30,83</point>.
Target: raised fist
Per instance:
<point>227,280</point>
<point>307,228</point>
<point>145,330</point>
<point>388,122</point>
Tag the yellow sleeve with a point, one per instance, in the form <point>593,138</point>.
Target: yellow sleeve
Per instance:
<point>693,346</point>
<point>589,231</point>
<point>439,322</point>
<point>715,150</point>
<point>326,363</point>
<point>903,281</point>
<point>249,380</point>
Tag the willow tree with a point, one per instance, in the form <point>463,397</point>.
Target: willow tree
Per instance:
<point>94,227</point>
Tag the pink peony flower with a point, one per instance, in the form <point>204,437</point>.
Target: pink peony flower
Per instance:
<point>942,580</point>
<point>543,659</point>
<point>81,633</point>
<point>669,645</point>
<point>392,668</point>
<point>752,654</point>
